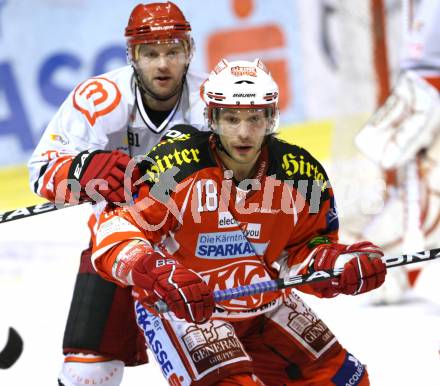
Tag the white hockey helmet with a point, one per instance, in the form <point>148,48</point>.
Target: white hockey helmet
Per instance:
<point>241,84</point>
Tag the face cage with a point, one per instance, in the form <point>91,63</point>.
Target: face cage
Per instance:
<point>211,115</point>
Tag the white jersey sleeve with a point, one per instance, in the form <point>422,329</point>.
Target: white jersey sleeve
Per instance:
<point>97,108</point>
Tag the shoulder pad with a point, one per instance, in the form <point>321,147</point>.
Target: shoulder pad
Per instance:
<point>177,158</point>
<point>294,163</point>
<point>179,131</point>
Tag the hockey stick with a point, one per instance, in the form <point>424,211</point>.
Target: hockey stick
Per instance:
<point>30,211</point>
<point>176,131</point>
<point>277,284</point>
<point>12,350</point>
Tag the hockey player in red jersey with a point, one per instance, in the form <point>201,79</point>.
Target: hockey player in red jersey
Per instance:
<point>104,122</point>
<point>234,207</point>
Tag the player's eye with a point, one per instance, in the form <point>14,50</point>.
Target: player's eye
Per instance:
<point>232,119</point>
<point>255,119</point>
<point>149,54</point>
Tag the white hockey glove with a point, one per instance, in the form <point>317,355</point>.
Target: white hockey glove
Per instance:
<point>405,124</point>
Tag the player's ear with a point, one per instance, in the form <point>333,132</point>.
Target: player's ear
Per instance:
<point>208,121</point>
<point>214,126</point>
<point>190,48</point>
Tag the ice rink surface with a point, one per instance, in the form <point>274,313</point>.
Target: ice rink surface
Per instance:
<point>39,258</point>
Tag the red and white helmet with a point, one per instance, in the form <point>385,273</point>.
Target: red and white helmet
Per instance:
<point>156,23</point>
<point>241,84</point>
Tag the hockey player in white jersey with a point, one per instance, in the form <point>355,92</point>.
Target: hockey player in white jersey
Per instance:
<point>104,122</point>
<point>403,139</point>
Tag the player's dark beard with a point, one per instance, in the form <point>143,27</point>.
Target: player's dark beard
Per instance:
<point>158,97</point>
<point>154,95</point>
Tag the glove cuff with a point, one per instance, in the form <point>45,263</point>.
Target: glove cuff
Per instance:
<point>130,254</point>
<point>79,164</point>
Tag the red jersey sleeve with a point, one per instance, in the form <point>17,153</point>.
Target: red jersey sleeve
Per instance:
<point>145,222</point>
<point>313,228</point>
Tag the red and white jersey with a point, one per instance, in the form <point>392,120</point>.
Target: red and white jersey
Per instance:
<point>231,235</point>
<point>105,112</point>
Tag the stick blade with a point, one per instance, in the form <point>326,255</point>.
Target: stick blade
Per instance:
<point>12,350</point>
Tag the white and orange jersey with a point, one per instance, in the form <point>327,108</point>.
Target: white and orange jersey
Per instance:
<point>231,235</point>
<point>105,113</point>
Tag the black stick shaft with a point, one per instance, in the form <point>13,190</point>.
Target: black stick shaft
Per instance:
<point>274,285</point>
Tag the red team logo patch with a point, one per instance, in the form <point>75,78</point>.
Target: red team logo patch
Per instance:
<point>236,274</point>
<point>96,97</point>
<point>243,71</point>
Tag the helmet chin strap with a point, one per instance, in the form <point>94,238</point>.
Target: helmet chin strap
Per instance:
<point>220,146</point>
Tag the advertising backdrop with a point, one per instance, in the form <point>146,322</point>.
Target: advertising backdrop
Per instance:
<point>320,52</point>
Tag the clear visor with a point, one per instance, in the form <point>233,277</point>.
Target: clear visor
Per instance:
<point>253,121</point>
<point>173,50</point>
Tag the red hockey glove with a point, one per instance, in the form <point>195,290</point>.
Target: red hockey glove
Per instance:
<point>103,165</point>
<point>184,291</point>
<point>363,269</point>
